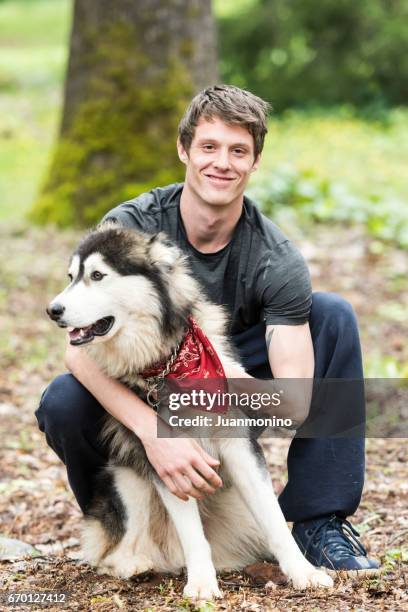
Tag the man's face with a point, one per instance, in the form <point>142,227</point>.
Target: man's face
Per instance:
<point>219,162</point>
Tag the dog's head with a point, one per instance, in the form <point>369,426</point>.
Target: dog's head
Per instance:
<point>117,273</point>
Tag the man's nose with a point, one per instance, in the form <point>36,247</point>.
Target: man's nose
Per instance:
<point>55,311</point>
<point>222,160</point>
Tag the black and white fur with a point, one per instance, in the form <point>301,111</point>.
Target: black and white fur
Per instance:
<point>135,523</point>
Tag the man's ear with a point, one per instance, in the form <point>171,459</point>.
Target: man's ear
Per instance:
<point>182,153</point>
<point>256,163</point>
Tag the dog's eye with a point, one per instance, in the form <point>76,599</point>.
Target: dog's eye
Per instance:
<point>70,277</point>
<point>97,276</point>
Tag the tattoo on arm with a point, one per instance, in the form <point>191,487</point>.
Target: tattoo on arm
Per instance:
<point>269,335</point>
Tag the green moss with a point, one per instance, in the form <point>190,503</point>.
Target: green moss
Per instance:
<point>187,48</point>
<point>121,140</point>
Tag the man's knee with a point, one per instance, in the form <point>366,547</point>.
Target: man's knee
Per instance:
<point>334,312</point>
<point>66,406</point>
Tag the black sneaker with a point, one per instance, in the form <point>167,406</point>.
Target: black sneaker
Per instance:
<point>331,542</point>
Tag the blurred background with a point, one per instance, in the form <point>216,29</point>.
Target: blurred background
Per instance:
<point>335,73</point>
<point>90,96</point>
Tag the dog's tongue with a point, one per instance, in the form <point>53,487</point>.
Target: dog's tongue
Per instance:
<point>78,332</point>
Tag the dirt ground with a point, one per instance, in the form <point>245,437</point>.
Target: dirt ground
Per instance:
<point>36,504</point>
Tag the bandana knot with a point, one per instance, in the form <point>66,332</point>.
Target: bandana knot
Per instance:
<point>196,358</point>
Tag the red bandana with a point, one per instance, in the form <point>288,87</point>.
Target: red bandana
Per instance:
<point>196,358</point>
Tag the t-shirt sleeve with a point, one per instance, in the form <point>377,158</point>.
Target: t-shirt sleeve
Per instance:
<point>284,286</point>
<point>134,214</point>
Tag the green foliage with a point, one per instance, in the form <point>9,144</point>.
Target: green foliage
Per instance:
<point>347,161</point>
<point>121,140</point>
<point>34,23</point>
<point>378,365</point>
<point>325,202</point>
<point>305,52</point>
<point>398,554</point>
<point>394,557</point>
<point>29,58</point>
<point>228,8</point>
<point>33,36</point>
<point>338,169</point>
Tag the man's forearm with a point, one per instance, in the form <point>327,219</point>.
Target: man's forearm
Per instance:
<point>288,398</point>
<point>291,356</point>
<point>186,469</point>
<point>117,399</point>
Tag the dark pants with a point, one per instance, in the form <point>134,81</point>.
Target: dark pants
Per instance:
<point>325,475</point>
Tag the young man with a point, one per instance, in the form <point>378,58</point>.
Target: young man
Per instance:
<point>245,262</point>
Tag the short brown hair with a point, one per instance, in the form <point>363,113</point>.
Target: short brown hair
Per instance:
<point>231,104</point>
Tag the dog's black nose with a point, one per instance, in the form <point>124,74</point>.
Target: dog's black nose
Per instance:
<point>55,311</point>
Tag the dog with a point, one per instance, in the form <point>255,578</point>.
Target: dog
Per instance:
<point>130,300</point>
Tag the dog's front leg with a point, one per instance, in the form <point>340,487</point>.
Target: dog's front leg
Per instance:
<point>250,475</point>
<point>201,579</point>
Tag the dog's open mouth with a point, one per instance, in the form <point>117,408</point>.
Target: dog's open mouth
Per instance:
<point>83,335</point>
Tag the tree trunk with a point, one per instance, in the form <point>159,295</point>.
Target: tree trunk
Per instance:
<point>133,67</point>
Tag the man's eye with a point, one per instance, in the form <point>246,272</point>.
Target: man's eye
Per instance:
<point>97,276</point>
<point>208,147</point>
<point>239,151</point>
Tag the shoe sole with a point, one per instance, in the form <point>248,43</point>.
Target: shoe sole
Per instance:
<point>363,573</point>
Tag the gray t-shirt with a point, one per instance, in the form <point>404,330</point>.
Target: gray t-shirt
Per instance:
<point>259,275</point>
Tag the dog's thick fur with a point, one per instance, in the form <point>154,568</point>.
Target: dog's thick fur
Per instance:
<point>135,524</point>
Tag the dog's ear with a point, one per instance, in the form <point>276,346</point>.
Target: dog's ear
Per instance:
<point>111,223</point>
<point>163,253</point>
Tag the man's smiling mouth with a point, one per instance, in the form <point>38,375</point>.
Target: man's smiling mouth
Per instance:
<point>221,179</point>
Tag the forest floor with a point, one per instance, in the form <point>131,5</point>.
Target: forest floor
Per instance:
<point>37,506</point>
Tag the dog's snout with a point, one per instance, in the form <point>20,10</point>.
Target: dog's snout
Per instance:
<point>55,311</point>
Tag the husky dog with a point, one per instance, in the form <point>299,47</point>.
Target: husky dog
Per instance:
<point>128,301</point>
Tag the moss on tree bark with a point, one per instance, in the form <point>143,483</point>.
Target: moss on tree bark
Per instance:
<point>120,116</point>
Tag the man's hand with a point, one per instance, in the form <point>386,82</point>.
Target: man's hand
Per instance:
<point>185,468</point>
<point>74,357</point>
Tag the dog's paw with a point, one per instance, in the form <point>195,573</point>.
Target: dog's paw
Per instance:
<point>202,588</point>
<point>125,567</point>
<point>311,577</point>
